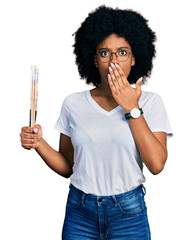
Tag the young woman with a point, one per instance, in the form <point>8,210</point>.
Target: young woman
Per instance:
<point>109,132</point>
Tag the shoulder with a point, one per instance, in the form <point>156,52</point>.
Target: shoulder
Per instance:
<point>75,96</point>
<point>149,97</point>
<point>146,95</point>
<point>152,103</point>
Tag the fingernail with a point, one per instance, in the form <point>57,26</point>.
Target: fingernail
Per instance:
<point>141,78</point>
<point>110,69</point>
<point>112,65</point>
<point>116,65</point>
<point>35,130</point>
<point>109,75</point>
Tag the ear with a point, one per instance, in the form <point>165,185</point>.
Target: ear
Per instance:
<point>95,62</point>
<point>133,60</point>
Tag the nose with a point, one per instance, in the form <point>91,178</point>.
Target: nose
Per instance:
<point>113,57</point>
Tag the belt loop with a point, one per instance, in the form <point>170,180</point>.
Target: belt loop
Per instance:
<point>143,189</point>
<point>115,200</point>
<point>83,195</point>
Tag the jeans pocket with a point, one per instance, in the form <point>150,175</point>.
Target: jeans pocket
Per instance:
<point>74,199</point>
<point>132,204</point>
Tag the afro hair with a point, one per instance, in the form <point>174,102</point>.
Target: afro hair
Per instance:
<point>125,23</point>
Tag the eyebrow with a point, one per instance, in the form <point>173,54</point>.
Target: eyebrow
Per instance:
<point>108,49</point>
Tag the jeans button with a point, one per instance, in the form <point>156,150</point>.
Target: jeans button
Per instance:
<point>100,200</point>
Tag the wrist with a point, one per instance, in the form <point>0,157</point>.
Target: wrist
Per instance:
<point>128,109</point>
<point>39,144</point>
<point>134,113</point>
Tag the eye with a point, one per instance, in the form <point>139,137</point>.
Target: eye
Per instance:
<point>122,52</point>
<point>104,54</point>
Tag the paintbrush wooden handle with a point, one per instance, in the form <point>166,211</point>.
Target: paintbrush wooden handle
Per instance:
<point>34,95</point>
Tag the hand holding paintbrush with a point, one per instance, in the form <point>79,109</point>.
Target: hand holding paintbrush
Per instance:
<point>30,136</point>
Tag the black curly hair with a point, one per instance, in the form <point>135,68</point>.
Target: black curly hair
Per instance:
<point>125,23</point>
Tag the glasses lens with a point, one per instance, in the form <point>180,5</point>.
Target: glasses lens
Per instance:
<point>104,56</point>
<point>123,55</point>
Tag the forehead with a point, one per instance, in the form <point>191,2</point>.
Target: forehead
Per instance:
<point>113,42</point>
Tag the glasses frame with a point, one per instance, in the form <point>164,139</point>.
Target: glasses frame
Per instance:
<point>97,54</point>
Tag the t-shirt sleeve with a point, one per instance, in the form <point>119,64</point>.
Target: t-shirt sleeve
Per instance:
<point>62,125</point>
<point>157,118</point>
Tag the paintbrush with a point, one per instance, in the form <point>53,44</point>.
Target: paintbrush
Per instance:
<point>34,95</point>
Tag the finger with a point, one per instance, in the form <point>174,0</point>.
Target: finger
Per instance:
<point>28,141</point>
<point>122,75</point>
<point>138,84</point>
<point>36,128</point>
<point>117,75</point>
<point>113,79</point>
<point>29,146</point>
<point>24,135</point>
<point>27,129</point>
<point>111,84</point>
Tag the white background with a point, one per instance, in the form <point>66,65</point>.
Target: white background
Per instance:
<point>33,198</point>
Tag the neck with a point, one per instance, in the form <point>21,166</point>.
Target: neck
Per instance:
<point>105,90</point>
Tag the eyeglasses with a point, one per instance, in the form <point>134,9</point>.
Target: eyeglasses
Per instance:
<point>105,55</point>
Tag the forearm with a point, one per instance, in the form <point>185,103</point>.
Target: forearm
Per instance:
<point>151,150</point>
<point>55,160</point>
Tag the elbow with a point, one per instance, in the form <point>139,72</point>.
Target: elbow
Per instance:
<point>68,174</point>
<point>157,168</point>
<point>65,175</point>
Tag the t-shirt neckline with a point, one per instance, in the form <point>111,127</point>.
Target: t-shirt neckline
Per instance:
<point>98,107</point>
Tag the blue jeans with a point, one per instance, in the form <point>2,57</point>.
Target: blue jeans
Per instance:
<point>118,217</point>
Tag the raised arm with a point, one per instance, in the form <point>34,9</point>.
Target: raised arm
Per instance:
<point>59,161</point>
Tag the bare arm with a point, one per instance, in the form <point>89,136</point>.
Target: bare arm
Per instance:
<point>152,146</point>
<point>66,148</point>
<point>57,161</point>
<point>54,159</point>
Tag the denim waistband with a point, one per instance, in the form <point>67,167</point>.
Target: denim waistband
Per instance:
<point>109,198</point>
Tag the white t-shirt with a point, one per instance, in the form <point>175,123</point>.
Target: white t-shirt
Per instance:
<point>106,157</point>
